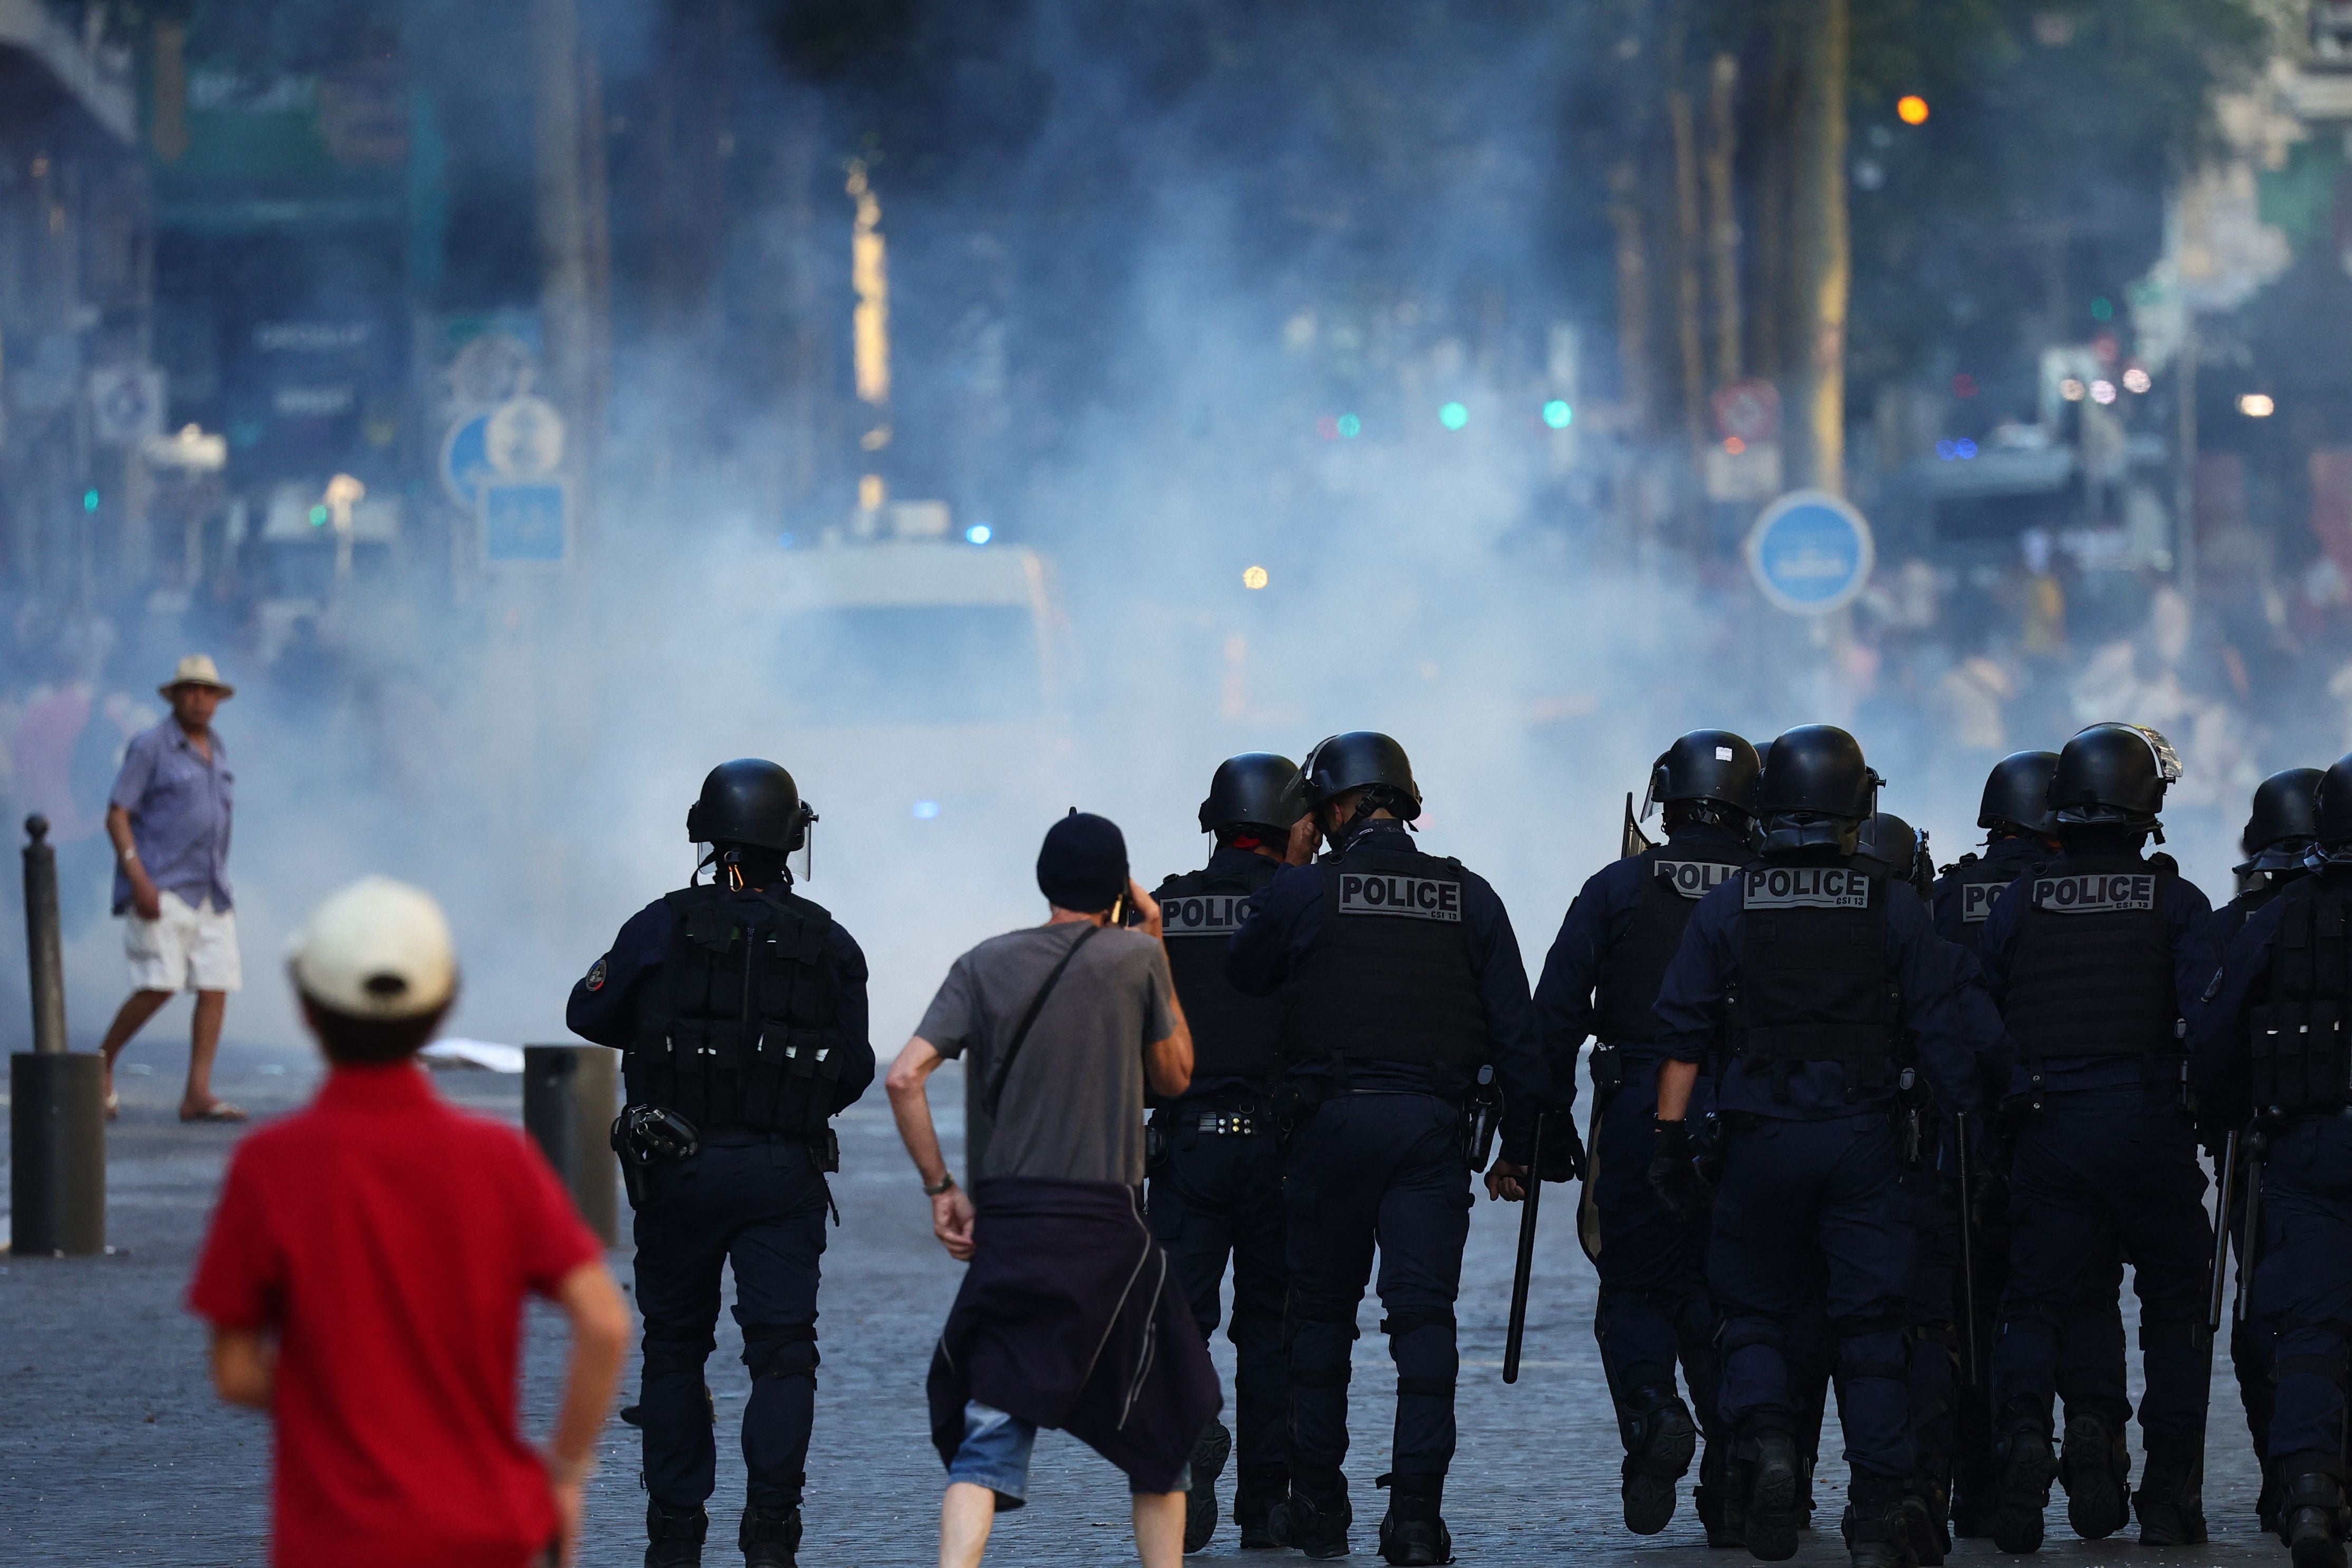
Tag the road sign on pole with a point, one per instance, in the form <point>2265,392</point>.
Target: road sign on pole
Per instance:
<point>1810,552</point>
<point>466,459</point>
<point>525,521</point>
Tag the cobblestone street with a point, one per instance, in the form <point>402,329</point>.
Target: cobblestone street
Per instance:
<point>113,1449</point>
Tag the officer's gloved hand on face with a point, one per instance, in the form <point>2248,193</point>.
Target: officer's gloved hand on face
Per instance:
<point>1673,1174</point>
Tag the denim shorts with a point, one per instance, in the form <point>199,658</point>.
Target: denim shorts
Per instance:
<point>995,1455</point>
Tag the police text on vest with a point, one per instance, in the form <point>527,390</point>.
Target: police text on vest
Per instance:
<point>1807,888</point>
<point>1201,914</point>
<point>1693,878</point>
<point>2096,893</point>
<point>1423,897</point>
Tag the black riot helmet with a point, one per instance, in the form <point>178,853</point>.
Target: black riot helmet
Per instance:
<point>750,802</point>
<point>1256,789</point>
<point>2017,795</point>
<point>2333,811</point>
<point>2112,774</point>
<point>1365,760</point>
<point>1900,848</point>
<point>2284,821</point>
<point>1712,765</point>
<point>1814,791</point>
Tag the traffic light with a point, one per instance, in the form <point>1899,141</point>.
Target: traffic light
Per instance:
<point>1453,415</point>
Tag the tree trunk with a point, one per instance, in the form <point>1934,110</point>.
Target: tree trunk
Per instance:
<point>1690,316</point>
<point>1633,297</point>
<point>1820,253</point>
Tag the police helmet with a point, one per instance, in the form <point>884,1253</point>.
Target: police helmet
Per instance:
<point>1360,759</point>
<point>1705,764</point>
<point>2113,773</point>
<point>2284,821</point>
<point>750,801</point>
<point>1889,841</point>
<point>2333,809</point>
<point>2017,793</point>
<point>1256,789</point>
<point>1814,791</point>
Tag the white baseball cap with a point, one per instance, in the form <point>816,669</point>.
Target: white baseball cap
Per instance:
<point>379,949</point>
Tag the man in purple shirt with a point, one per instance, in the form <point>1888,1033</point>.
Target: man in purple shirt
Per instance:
<point>169,819</point>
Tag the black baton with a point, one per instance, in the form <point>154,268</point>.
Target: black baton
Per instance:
<point>2226,1188</point>
<point>1968,1251</point>
<point>1520,1279</point>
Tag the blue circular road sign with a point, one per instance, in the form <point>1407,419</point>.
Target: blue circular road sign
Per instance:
<point>1810,552</point>
<point>466,459</point>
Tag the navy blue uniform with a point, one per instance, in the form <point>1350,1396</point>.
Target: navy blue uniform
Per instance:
<point>1381,1160</point>
<point>754,1200</point>
<point>1653,1308</point>
<point>1810,1159</point>
<point>2301,1278</point>
<point>1215,1192</point>
<point>2105,1155</point>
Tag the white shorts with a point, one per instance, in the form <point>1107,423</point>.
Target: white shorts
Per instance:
<point>183,949</point>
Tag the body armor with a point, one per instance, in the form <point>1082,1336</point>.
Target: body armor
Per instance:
<point>1673,882</point>
<point>1234,1035</point>
<point>1982,882</point>
<point>2297,1061</point>
<point>1814,983</point>
<point>2091,975</point>
<point>742,1025</point>
<point>1389,979</point>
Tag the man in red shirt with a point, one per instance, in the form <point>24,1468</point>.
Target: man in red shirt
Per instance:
<point>366,1275</point>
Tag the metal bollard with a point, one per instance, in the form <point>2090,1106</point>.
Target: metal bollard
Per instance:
<point>569,1096</point>
<point>56,1101</point>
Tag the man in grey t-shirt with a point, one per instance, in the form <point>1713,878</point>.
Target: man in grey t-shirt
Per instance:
<point>1062,1028</point>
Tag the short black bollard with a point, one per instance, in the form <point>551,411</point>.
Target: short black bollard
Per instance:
<point>56,1101</point>
<point>569,1096</point>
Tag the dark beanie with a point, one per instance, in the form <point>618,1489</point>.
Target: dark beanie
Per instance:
<point>1083,865</point>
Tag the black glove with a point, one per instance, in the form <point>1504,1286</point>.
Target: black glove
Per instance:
<point>1672,1175</point>
<point>1989,1202</point>
<point>1563,1150</point>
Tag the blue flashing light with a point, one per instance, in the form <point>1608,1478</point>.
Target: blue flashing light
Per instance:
<point>784,539</point>
<point>925,810</point>
<point>1557,413</point>
<point>1958,451</point>
<point>1350,426</point>
<point>1453,415</point>
<point>979,534</point>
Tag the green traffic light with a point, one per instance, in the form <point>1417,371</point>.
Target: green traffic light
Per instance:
<point>318,517</point>
<point>1454,417</point>
<point>89,501</point>
<point>1557,413</point>
<point>2103,308</point>
<point>1350,426</point>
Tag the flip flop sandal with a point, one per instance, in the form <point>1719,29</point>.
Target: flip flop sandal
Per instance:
<point>218,1110</point>
<point>113,1105</point>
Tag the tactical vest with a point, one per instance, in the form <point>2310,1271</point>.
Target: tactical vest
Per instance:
<point>1814,983</point>
<point>2092,973</point>
<point>1234,1035</point>
<point>741,1027</point>
<point>1981,883</point>
<point>2296,1056</point>
<point>1390,978</point>
<point>1634,966</point>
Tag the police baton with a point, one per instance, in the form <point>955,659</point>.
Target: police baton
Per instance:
<point>2250,1239</point>
<point>1968,1251</point>
<point>1521,1278</point>
<point>2226,1187</point>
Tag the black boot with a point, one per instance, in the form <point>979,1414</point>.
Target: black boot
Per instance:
<point>1770,1475</point>
<point>2171,1502</point>
<point>2026,1467</point>
<point>2095,1469</point>
<point>673,1535</point>
<point>2311,1508</point>
<point>1414,1535</point>
<point>1712,1499</point>
<point>1209,1455</point>
<point>1660,1439</point>
<point>1254,1494</point>
<point>1877,1535</point>
<point>770,1537</point>
<point>1315,1517</point>
<point>1923,1524</point>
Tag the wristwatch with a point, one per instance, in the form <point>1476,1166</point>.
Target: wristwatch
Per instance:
<point>947,1184</point>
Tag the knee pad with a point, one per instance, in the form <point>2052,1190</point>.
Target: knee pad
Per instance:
<point>1744,1334</point>
<point>670,1348</point>
<point>1301,1311</point>
<point>1871,1347</point>
<point>2334,1368</point>
<point>781,1350</point>
<point>1396,1325</point>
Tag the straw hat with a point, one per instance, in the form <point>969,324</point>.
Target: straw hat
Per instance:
<point>198,670</point>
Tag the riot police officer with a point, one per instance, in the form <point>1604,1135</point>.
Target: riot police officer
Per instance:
<point>739,1008</point>
<point>2020,832</point>
<point>1216,1173</point>
<point>2275,1049</point>
<point>2278,838</point>
<point>1400,978</point>
<point>1600,980</point>
<point>1801,980</point>
<point>2096,958</point>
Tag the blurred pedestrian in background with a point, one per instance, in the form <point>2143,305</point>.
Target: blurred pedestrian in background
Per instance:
<point>366,1273</point>
<point>169,819</point>
<point>1070,1317</point>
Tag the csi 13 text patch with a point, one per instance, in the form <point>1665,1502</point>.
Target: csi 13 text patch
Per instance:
<point>1807,888</point>
<point>1977,899</point>
<point>1423,897</point>
<point>2096,893</point>
<point>1201,914</point>
<point>1693,878</point>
